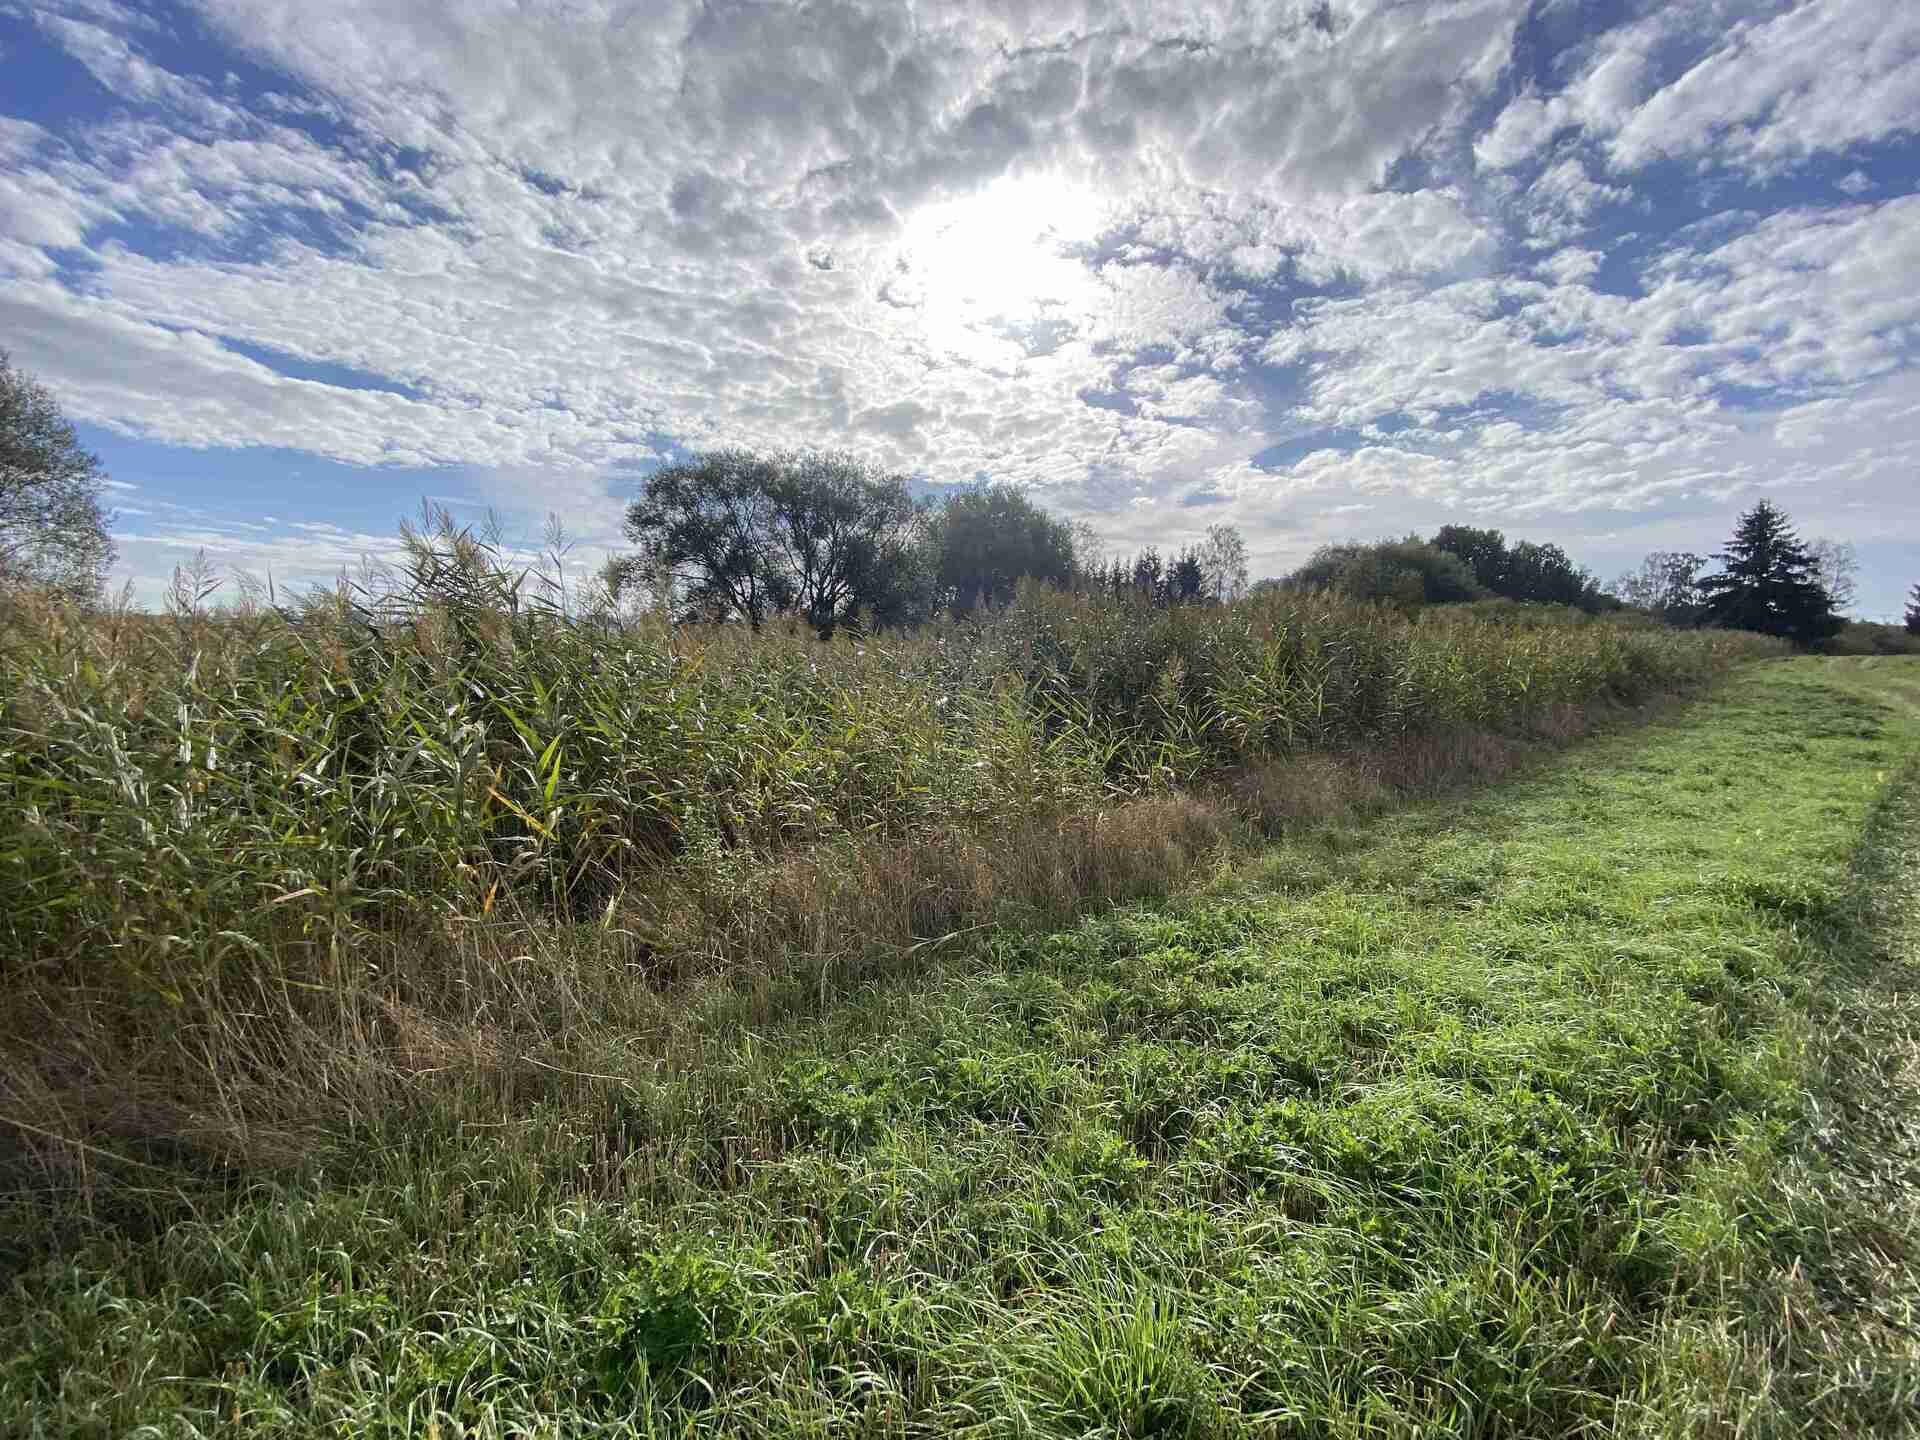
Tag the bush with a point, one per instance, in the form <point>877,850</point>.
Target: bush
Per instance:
<point>1866,637</point>
<point>1539,574</point>
<point>1406,573</point>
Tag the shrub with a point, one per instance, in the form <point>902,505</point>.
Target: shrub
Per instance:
<point>1406,573</point>
<point>1866,637</point>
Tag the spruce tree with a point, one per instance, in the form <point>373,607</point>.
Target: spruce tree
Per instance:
<point>1913,611</point>
<point>1767,582</point>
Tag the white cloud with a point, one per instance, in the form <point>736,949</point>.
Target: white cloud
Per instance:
<point>1765,90</point>
<point>1114,251</point>
<point>1804,298</point>
<point>1525,126</point>
<point>1362,237</point>
<point>124,72</point>
<point>1571,266</point>
<point>1615,78</point>
<point>187,389</point>
<point>1808,297</point>
<point>1560,201</point>
<point>691,223</point>
<point>1827,74</point>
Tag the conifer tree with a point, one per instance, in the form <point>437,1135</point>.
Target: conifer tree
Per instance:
<point>1767,582</point>
<point>1186,577</point>
<point>1913,611</point>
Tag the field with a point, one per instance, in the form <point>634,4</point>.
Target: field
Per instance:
<point>1578,1100</point>
<point>260,871</point>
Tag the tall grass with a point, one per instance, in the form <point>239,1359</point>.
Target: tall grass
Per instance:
<point>1573,1107</point>
<point>255,865</point>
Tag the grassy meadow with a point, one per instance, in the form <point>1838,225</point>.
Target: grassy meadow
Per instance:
<point>431,1014</point>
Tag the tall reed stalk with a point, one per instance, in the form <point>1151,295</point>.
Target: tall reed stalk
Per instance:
<point>263,852</point>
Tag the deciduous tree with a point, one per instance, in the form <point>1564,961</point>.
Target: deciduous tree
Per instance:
<point>1406,573</point>
<point>1544,574</point>
<point>1483,551</point>
<point>1223,559</point>
<point>707,526</point>
<point>1541,574</point>
<point>1836,565</point>
<point>745,536</point>
<point>1089,555</point>
<point>1666,585</point>
<point>53,526</point>
<point>984,542</point>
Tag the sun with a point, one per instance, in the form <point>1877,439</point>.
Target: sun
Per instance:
<point>994,267</point>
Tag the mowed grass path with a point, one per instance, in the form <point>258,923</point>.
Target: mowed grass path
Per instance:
<point>1526,1113</point>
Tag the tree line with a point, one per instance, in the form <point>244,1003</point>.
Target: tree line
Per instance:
<point>738,536</point>
<point>1458,563</point>
<point>1769,580</point>
<point>829,539</point>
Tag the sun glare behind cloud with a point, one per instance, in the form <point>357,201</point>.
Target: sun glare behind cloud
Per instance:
<point>990,270</point>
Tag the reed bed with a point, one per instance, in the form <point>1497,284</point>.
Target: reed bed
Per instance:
<point>260,867</point>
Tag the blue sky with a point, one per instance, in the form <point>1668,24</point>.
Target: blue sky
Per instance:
<point>1587,270</point>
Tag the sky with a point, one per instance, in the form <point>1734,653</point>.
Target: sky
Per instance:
<point>1592,271</point>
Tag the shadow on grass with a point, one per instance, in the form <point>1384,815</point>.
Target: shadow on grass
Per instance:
<point>1840,1333</point>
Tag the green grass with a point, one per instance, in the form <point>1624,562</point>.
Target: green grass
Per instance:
<point>1545,1110</point>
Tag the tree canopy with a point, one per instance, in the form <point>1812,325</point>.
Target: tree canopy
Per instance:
<point>1406,573</point>
<point>1186,577</point>
<point>53,526</point>
<point>985,542</point>
<point>1483,551</point>
<point>1181,579</point>
<point>1836,566</point>
<point>1913,611</point>
<point>1666,585</point>
<point>743,536</point>
<point>1767,582</point>
<point>1223,560</point>
<point>1541,574</point>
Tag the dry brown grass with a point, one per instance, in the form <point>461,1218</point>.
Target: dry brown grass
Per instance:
<point>254,1072</point>
<point>1304,791</point>
<point>1282,796</point>
<point>867,902</point>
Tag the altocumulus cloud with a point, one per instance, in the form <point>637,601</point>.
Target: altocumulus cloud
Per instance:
<point>1593,271</point>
